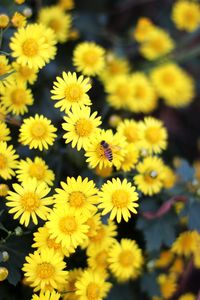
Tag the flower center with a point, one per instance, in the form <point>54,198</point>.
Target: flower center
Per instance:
<point>150,176</point>
<point>38,130</point>
<point>83,127</point>
<point>101,259</point>
<point>30,201</point>
<point>55,24</point>
<point>52,244</point>
<point>30,47</point>
<point>126,258</point>
<point>152,134</point>
<point>93,291</point>
<point>120,198</point>
<point>25,71</point>
<point>122,91</point>
<point>190,16</point>
<point>157,45</point>
<point>99,236</point>
<point>3,161</point>
<point>77,199</point>
<point>68,225</point>
<point>90,58</point>
<point>37,170</point>
<point>73,92</point>
<point>140,92</point>
<point>18,97</point>
<point>131,134</point>
<point>168,78</point>
<point>45,270</point>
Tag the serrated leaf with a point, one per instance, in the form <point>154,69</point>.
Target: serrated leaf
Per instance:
<point>149,284</point>
<point>185,171</point>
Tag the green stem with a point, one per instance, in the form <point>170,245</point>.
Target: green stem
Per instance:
<point>181,57</point>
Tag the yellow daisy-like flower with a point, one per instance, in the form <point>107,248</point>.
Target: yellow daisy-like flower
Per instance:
<point>47,295</point>
<point>56,19</point>
<point>94,223</point>
<point>71,91</point>
<point>70,287</point>
<point>98,259</point>
<point>4,132</point>
<point>170,178</point>
<point>164,259</point>
<point>185,244</point>
<point>88,58</point>
<point>24,73</point>
<point>120,91</point>
<point>3,190</point>
<point>29,201</point>
<point>153,135</point>
<point>4,69</point>
<point>16,97</point>
<point>167,285</point>
<point>143,29</point>
<point>130,129</point>
<point>8,161</point>
<point>66,4</point>
<point>125,260</point>
<point>186,15</point>
<point>37,132</point>
<point>42,239</point>
<point>67,226</point>
<point>44,269</point>
<point>118,198</point>
<point>92,286</point>
<point>130,159</point>
<point>157,44</point>
<point>4,20</point>
<point>81,127</point>
<point>188,296</point>
<point>80,194</point>
<point>150,178</point>
<point>106,149</point>
<point>144,97</point>
<point>18,20</point>
<point>37,168</point>
<point>29,47</point>
<point>173,84</point>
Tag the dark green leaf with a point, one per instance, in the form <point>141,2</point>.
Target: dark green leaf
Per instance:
<point>149,284</point>
<point>193,216</point>
<point>2,77</point>
<point>185,171</point>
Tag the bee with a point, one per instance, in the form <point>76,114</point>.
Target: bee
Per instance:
<point>107,150</point>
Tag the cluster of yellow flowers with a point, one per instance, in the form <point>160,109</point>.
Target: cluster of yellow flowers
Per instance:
<point>81,214</point>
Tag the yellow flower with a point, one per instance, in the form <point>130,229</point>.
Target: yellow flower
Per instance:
<point>44,269</point>
<point>103,172</point>
<point>81,126</point>
<point>167,285</point>
<point>120,91</point>
<point>4,20</point>
<point>67,226</point>
<point>4,132</point>
<point>92,286</point>
<point>164,259</point>
<point>173,84</point>
<point>37,132</point>
<point>3,112</point>
<point>94,224</point>
<point>8,161</point>
<point>56,19</point>
<point>188,296</point>
<point>30,47</point>
<point>18,20</point>
<point>106,155</point>
<point>157,44</point>
<point>144,98</point>
<point>150,178</point>
<point>19,1</point>
<point>70,287</point>
<point>130,159</point>
<point>3,190</point>
<point>29,201</point>
<point>186,15</point>
<point>130,129</point>
<point>71,91</point>
<point>118,198</point>
<point>125,260</point>
<point>185,244</point>
<point>47,295</point>
<point>3,273</point>
<point>16,97</point>
<point>170,178</point>
<point>98,259</point>
<point>24,73</point>
<point>66,4</point>
<point>153,135</point>
<point>4,69</point>
<point>114,66</point>
<point>42,239</point>
<point>88,58</point>
<point>37,168</point>
<point>80,194</point>
<point>143,29</point>
<point>177,267</point>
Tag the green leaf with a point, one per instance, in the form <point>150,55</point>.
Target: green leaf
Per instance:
<point>193,216</point>
<point>3,77</point>
<point>159,231</point>
<point>149,284</point>
<point>185,171</point>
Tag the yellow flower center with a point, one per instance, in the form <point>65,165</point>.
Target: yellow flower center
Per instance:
<point>150,176</point>
<point>120,198</point>
<point>30,47</point>
<point>90,58</point>
<point>18,97</point>
<point>126,258</point>
<point>83,127</point>
<point>157,45</point>
<point>152,134</point>
<point>68,225</point>
<point>101,259</point>
<point>45,270</point>
<point>30,201</point>
<point>122,91</point>
<point>140,92</point>
<point>25,71</point>
<point>52,244</point>
<point>37,170</point>
<point>168,78</point>
<point>77,199</point>
<point>73,92</point>
<point>93,291</point>
<point>55,24</point>
<point>190,16</point>
<point>131,134</point>
<point>114,68</point>
<point>99,236</point>
<point>3,161</point>
<point>38,130</point>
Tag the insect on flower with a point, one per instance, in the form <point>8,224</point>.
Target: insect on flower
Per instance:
<point>107,150</point>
